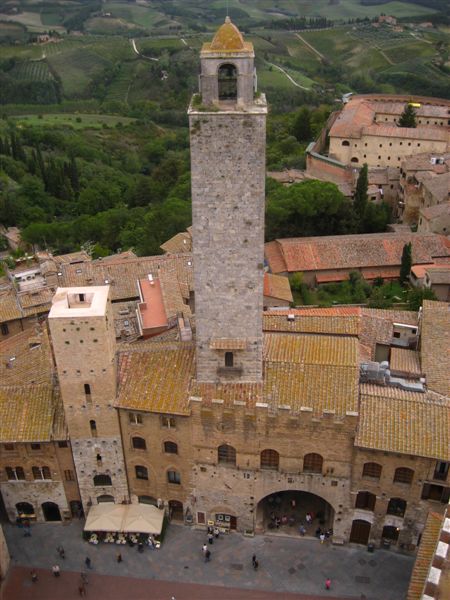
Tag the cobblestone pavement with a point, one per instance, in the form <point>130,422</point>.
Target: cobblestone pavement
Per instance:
<point>286,564</point>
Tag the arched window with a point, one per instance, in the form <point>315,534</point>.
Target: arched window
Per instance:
<point>139,443</point>
<point>227,79</point>
<point>15,473</point>
<point>170,448</point>
<point>270,459</point>
<point>102,479</point>
<point>147,500</point>
<point>403,475</point>
<point>141,472</point>
<point>226,455</point>
<point>396,507</point>
<point>354,159</point>
<point>312,463</point>
<point>93,426</point>
<point>390,533</point>
<point>25,509</point>
<point>345,143</point>
<point>173,477</point>
<point>365,500</point>
<point>372,470</point>
<point>41,473</point>
<point>105,498</point>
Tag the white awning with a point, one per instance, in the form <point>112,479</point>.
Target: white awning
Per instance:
<point>125,518</point>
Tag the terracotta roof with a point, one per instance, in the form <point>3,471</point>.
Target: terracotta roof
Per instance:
<point>228,38</point>
<point>439,275</point>
<point>435,347</point>
<point>419,270</point>
<point>355,115</point>
<point>413,423</point>
<point>421,132</point>
<point>122,274</point>
<point>179,243</point>
<point>151,310</point>
<point>30,414</point>
<point>425,110</point>
<point>157,379</point>
<point>377,325</point>
<point>352,251</point>
<point>229,393</point>
<point>332,311</point>
<point>425,554</point>
<point>73,257</point>
<point>438,210</point>
<point>277,286</point>
<point>405,361</point>
<point>320,350</point>
<point>325,324</point>
<point>9,307</point>
<point>125,319</point>
<point>26,358</point>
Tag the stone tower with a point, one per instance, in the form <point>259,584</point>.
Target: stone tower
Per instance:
<point>228,138</point>
<point>82,332</point>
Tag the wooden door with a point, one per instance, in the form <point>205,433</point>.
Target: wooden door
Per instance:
<point>360,532</point>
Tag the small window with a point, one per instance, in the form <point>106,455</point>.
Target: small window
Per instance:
<point>93,427</point>
<point>396,507</point>
<point>312,463</point>
<point>354,159</point>
<point>63,444</point>
<point>139,443</point>
<point>87,389</point>
<point>365,501</point>
<point>69,475</point>
<point>81,297</point>
<point>173,477</point>
<point>345,143</point>
<point>270,459</point>
<point>40,473</point>
<point>135,418</point>
<point>15,473</point>
<point>102,479</point>
<point>141,472</point>
<point>226,455</point>
<point>168,422</point>
<point>403,475</point>
<point>229,359</point>
<point>372,470</point>
<point>35,446</point>
<point>4,328</point>
<point>396,334</point>
<point>440,471</point>
<point>8,446</point>
<point>170,448</point>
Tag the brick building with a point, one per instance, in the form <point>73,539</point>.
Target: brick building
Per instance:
<point>260,417</point>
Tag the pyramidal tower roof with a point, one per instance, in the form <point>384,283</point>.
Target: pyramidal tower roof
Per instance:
<point>228,39</point>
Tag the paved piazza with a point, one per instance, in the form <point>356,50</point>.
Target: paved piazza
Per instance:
<point>288,565</point>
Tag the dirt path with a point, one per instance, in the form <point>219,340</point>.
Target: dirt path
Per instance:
<point>302,87</point>
<point>133,44</point>
<point>319,54</point>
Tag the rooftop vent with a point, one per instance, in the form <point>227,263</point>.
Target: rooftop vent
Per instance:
<point>291,317</point>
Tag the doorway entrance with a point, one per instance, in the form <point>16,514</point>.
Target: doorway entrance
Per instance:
<point>176,510</point>
<point>51,511</point>
<point>288,511</point>
<point>360,532</point>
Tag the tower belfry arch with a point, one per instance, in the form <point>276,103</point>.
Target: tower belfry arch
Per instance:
<point>228,138</point>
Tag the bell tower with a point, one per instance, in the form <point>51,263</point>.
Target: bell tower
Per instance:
<point>228,138</point>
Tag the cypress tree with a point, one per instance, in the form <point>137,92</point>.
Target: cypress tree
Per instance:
<point>360,199</point>
<point>408,117</point>
<point>406,264</point>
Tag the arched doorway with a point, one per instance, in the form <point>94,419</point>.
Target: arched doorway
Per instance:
<point>390,533</point>
<point>286,511</point>
<point>25,510</point>
<point>227,79</point>
<point>360,531</point>
<point>176,512</point>
<point>76,508</point>
<point>51,511</point>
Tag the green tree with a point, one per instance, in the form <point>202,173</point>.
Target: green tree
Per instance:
<point>301,127</point>
<point>416,296</point>
<point>406,264</point>
<point>408,117</point>
<point>378,300</point>
<point>360,199</point>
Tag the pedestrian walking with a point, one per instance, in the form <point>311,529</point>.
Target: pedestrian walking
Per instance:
<point>26,529</point>
<point>204,549</point>
<point>82,589</point>
<point>253,559</point>
<point>56,570</point>
<point>328,583</point>
<point>256,565</point>
<point>61,552</point>
<point>119,558</point>
<point>207,555</point>
<point>210,538</point>
<point>216,533</point>
<point>302,530</point>
<point>84,578</point>
<point>88,563</point>
<point>322,538</point>
<point>34,577</point>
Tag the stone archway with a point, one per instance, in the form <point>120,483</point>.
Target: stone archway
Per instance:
<point>227,81</point>
<point>51,511</point>
<point>286,511</point>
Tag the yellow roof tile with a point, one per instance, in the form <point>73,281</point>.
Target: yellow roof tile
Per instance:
<point>26,358</point>
<point>425,554</point>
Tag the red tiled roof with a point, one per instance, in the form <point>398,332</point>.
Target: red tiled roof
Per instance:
<point>277,286</point>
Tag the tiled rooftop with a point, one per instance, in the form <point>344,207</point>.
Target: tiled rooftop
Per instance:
<point>277,286</point>
<point>26,358</point>
<point>179,243</point>
<point>320,350</point>
<point>405,361</point>
<point>310,323</point>
<point>438,210</point>
<point>412,422</point>
<point>425,554</point>
<point>352,251</point>
<point>9,306</point>
<point>435,347</point>
<point>30,414</point>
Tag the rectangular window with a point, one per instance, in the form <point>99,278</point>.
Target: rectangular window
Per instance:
<point>135,418</point>
<point>4,328</point>
<point>35,446</point>
<point>63,444</point>
<point>173,477</point>
<point>229,359</point>
<point>8,446</point>
<point>168,422</point>
<point>438,493</point>
<point>69,475</point>
<point>441,470</point>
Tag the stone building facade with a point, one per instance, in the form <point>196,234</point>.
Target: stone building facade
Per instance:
<point>83,337</point>
<point>228,138</point>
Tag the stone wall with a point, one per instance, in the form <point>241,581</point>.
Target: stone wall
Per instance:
<point>228,197</point>
<point>4,556</point>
